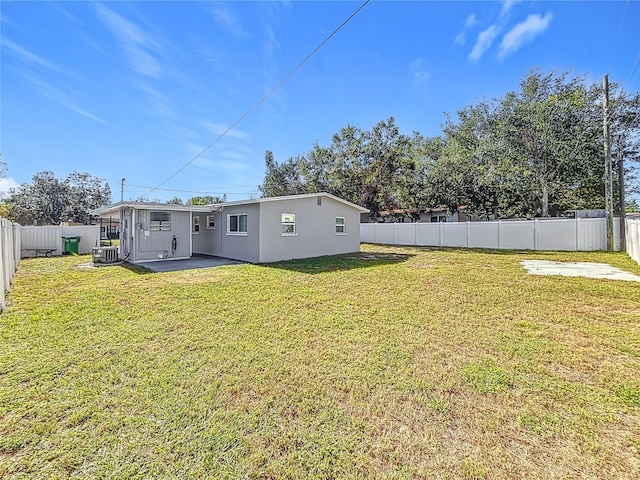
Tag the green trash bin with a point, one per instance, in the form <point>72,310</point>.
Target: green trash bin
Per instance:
<point>71,245</point>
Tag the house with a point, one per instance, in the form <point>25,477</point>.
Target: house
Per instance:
<point>433,215</point>
<point>256,231</point>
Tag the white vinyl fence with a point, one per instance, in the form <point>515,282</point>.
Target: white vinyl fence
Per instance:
<point>10,244</point>
<point>633,238</point>
<point>581,234</point>
<point>51,237</point>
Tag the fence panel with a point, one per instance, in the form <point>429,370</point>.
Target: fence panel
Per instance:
<point>633,238</point>
<point>517,235</point>
<point>557,234</point>
<point>51,237</point>
<point>552,234</point>
<point>484,234</point>
<point>10,244</point>
<point>428,234</point>
<point>405,233</point>
<point>454,234</point>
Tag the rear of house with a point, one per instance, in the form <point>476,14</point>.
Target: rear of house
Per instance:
<point>256,231</point>
<point>279,228</point>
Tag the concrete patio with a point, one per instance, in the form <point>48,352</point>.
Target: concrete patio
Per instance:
<point>197,261</point>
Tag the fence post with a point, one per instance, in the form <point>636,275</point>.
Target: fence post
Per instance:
<point>499,234</point>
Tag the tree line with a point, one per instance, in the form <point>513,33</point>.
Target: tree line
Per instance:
<point>535,152</point>
<point>48,200</point>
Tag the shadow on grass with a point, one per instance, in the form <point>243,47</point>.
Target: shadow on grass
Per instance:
<point>334,263</point>
<point>139,269</point>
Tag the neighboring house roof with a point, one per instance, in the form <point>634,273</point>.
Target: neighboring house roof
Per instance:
<point>214,207</point>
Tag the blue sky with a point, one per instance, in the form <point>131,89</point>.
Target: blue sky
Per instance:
<point>138,89</point>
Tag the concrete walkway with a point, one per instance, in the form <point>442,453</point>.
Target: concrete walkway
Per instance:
<point>197,261</point>
<point>578,269</point>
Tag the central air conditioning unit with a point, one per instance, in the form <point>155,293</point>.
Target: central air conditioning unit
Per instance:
<point>104,254</point>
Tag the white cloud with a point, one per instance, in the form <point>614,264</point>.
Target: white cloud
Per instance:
<point>7,184</point>
<point>226,19</point>
<point>524,33</point>
<point>134,41</point>
<point>470,22</point>
<point>483,42</point>
<point>64,99</point>
<point>30,57</point>
<point>420,74</point>
<point>506,6</point>
<point>220,128</point>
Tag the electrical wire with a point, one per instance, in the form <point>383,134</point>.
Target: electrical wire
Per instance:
<point>267,95</point>
<point>209,190</point>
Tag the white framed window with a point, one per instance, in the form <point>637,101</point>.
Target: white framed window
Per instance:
<point>237,224</point>
<point>211,221</point>
<point>160,221</point>
<point>288,224</point>
<point>341,226</point>
<point>196,224</point>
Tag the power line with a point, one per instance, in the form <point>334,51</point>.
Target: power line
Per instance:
<point>208,190</point>
<point>267,95</point>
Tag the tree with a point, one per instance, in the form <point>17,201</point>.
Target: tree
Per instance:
<point>625,136</point>
<point>207,200</point>
<point>369,168</point>
<point>86,193</point>
<point>48,200</point>
<point>175,201</point>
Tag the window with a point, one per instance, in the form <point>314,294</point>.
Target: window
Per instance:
<point>288,224</point>
<point>340,226</point>
<point>196,224</point>
<point>160,221</point>
<point>237,224</point>
<point>211,221</point>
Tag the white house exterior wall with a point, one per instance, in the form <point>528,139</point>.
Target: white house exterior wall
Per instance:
<point>315,229</point>
<point>208,241</point>
<point>238,246</point>
<point>154,245</point>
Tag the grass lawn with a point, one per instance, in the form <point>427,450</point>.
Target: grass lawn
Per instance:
<point>392,363</point>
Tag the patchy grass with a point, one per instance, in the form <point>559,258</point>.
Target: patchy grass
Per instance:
<point>392,363</point>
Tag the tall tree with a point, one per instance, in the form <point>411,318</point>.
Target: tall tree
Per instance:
<point>48,200</point>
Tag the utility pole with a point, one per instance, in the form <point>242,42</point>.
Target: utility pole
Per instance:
<point>122,190</point>
<point>621,199</point>
<point>608,170</point>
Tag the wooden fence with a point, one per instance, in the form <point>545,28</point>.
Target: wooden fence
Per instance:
<point>10,248</point>
<point>548,234</point>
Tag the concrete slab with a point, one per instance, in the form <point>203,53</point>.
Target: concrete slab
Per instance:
<point>578,269</point>
<point>198,261</point>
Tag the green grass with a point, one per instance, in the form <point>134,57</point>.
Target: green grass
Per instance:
<point>392,363</point>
